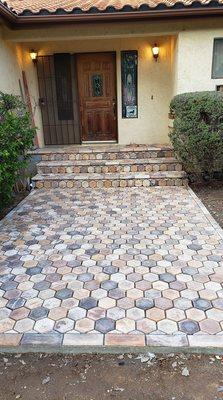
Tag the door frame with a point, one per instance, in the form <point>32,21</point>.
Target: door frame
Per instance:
<point>116,97</point>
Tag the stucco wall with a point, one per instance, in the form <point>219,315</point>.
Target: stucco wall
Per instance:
<point>194,60</point>
<point>13,60</point>
<point>10,66</point>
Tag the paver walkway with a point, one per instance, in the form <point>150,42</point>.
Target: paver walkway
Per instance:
<point>114,266</point>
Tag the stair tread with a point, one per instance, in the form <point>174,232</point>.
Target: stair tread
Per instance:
<point>110,176</point>
<point>131,161</point>
<point>75,149</point>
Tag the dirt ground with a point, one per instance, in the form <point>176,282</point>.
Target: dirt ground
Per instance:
<point>17,198</point>
<point>211,194</point>
<point>98,377</point>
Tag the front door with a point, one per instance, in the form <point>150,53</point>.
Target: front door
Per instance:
<point>97,96</point>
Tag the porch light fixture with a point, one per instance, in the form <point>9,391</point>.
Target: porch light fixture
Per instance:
<point>33,55</point>
<point>155,51</point>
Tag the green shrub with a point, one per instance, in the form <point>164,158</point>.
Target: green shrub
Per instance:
<point>197,134</point>
<point>16,137</point>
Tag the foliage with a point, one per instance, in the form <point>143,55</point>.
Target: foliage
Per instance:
<point>197,134</point>
<point>16,138</point>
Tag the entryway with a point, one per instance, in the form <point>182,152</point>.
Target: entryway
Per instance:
<point>77,96</point>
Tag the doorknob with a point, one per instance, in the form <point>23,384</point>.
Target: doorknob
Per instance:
<point>42,102</point>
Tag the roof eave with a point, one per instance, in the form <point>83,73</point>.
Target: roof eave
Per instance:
<point>186,11</point>
<point>8,14</point>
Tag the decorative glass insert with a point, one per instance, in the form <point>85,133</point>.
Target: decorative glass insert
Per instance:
<point>217,64</point>
<point>97,86</point>
<point>129,64</point>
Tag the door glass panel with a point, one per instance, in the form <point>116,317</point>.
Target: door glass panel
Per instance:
<point>97,86</point>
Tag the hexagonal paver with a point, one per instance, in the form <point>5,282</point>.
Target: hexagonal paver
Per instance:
<point>64,325</point>
<point>88,303</point>
<point>189,327</point>
<point>13,304</point>
<point>116,313</point>
<point>24,325</point>
<point>164,304</point>
<point>210,326</point>
<point>99,293</point>
<point>175,314</point>
<point>125,325</point>
<point>155,314</point>
<point>134,294</point>
<point>33,271</point>
<point>134,277</point>
<point>195,314</point>
<point>38,313</point>
<point>202,304</point>
<point>108,285</point>
<point>152,294</point>
<point>116,293</point>
<point>215,314</point>
<point>167,326</point>
<point>167,277</point>
<point>135,313</point>
<point>84,325</point>
<point>64,294</point>
<point>145,325</point>
<point>96,313</point>
<point>58,313</point>
<point>85,277</point>
<point>51,303</point>
<point>44,325</point>
<point>144,304</point>
<point>105,325</point>
<point>77,313</point>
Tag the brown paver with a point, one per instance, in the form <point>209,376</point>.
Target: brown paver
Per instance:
<point>116,266</point>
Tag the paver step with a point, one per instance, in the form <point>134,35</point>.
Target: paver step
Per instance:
<point>165,178</point>
<point>109,166</point>
<point>100,152</point>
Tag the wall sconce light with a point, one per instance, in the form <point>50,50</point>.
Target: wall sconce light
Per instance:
<point>33,55</point>
<point>155,51</point>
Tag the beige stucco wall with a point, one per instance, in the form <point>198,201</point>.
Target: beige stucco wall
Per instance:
<point>10,65</point>
<point>194,60</point>
<point>13,60</point>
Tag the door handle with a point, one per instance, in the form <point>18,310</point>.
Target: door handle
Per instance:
<point>42,102</point>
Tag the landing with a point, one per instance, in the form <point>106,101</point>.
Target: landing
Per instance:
<point>119,266</point>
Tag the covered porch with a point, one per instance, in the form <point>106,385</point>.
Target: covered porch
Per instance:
<point>100,84</point>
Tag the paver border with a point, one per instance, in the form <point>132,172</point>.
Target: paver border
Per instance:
<point>206,212</point>
<point>89,343</point>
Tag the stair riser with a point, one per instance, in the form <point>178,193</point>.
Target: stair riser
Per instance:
<point>77,169</point>
<point>106,156</point>
<point>106,183</point>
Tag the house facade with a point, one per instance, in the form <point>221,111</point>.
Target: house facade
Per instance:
<point>107,73</point>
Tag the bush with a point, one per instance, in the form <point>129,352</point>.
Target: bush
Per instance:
<point>197,134</point>
<point>16,137</point>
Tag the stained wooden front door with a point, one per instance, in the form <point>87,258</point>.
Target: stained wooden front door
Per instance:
<point>97,96</point>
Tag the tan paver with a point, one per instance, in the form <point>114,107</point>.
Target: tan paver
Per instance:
<point>118,266</point>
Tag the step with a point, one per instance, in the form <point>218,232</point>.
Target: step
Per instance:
<point>113,152</point>
<point>166,178</point>
<point>109,166</point>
